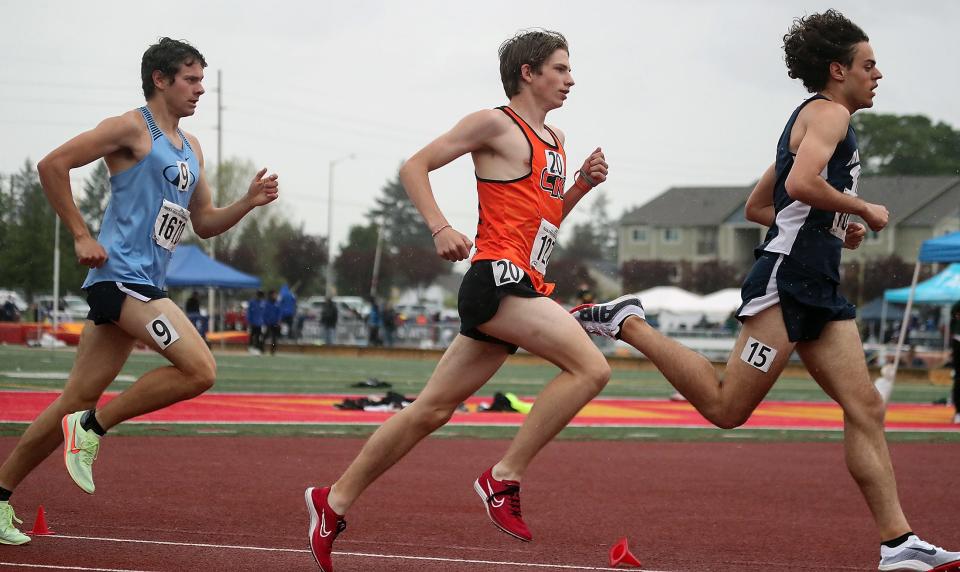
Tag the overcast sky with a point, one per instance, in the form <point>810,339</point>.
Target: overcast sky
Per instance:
<point>675,92</point>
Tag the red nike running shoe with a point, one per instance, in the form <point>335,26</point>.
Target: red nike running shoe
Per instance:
<point>325,526</point>
<point>502,501</point>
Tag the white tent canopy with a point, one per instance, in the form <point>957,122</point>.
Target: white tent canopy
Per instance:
<point>677,308</point>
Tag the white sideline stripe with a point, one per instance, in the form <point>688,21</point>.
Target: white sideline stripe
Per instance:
<point>363,554</point>
<point>52,567</point>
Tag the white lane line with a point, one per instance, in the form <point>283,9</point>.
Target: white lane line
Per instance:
<point>360,554</point>
<point>52,567</point>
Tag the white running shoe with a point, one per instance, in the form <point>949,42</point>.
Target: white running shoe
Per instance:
<point>606,319</point>
<point>915,554</point>
<point>9,534</point>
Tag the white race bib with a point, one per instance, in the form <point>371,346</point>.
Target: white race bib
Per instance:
<point>506,272</point>
<point>840,220</point>
<point>543,245</point>
<point>170,224</point>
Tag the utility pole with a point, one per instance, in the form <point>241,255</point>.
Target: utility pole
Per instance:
<point>218,194</point>
<point>333,163</point>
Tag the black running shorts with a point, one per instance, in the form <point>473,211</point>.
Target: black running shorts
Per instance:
<point>483,286</point>
<point>106,299</point>
<point>807,299</point>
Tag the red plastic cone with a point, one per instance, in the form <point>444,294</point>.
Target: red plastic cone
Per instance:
<point>40,525</point>
<point>620,554</point>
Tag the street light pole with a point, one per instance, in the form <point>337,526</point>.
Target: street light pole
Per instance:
<point>333,163</point>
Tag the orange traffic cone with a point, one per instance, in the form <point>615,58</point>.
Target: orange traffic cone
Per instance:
<point>620,554</point>
<point>40,525</point>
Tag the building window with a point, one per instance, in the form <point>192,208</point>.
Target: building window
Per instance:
<point>639,234</point>
<point>707,241</point>
<point>671,234</point>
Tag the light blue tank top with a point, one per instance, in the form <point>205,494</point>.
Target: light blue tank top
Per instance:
<point>147,213</point>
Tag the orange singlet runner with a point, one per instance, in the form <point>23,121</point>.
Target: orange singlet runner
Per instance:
<point>519,219</point>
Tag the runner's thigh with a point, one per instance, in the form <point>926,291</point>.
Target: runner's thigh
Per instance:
<point>465,367</point>
<point>836,362</point>
<point>101,354</point>
<point>543,328</point>
<point>758,358</point>
<point>161,325</point>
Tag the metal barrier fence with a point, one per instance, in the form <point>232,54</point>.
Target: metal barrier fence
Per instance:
<point>357,333</point>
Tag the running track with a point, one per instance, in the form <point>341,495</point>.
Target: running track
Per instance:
<point>235,504</point>
<point>23,407</point>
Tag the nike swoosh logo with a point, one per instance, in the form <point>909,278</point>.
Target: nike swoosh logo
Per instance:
<point>930,551</point>
<point>493,501</point>
<point>73,439</point>
<point>323,524</point>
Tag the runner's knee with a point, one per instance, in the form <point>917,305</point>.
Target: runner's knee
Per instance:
<point>867,410</point>
<point>202,374</point>
<point>430,417</point>
<point>729,419</point>
<point>596,373</point>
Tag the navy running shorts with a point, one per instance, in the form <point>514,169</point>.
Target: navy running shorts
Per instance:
<point>106,299</point>
<point>483,286</point>
<point>807,299</point>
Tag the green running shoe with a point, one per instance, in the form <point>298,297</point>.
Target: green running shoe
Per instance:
<point>9,534</point>
<point>80,448</point>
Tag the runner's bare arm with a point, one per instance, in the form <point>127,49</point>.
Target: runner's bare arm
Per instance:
<point>208,220</point>
<point>592,173</point>
<point>759,207</point>
<point>826,127</point>
<point>472,133</point>
<point>111,135</point>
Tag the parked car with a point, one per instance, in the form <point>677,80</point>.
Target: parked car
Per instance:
<point>70,309</point>
<point>347,306</point>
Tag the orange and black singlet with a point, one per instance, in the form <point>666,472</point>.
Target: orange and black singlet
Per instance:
<point>520,219</point>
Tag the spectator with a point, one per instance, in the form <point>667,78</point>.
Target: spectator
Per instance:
<point>328,319</point>
<point>374,321</point>
<point>192,309</point>
<point>288,310</point>
<point>255,309</point>
<point>389,324</point>
<point>9,312</point>
<point>271,321</point>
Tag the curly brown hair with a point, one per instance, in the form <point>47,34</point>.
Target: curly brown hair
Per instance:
<point>167,55</point>
<point>816,41</point>
<point>531,47</point>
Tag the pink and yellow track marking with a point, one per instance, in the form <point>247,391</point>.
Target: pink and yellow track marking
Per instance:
<point>277,408</point>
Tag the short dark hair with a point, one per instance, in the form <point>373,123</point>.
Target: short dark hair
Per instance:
<point>531,47</point>
<point>816,41</point>
<point>166,56</point>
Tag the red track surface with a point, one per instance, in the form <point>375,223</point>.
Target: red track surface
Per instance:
<point>722,507</point>
<point>23,407</point>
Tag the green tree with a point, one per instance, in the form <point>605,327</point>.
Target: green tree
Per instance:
<point>354,265</point>
<point>642,274</point>
<point>408,253</point>
<point>301,260</point>
<point>27,254</point>
<point>228,185</point>
<point>907,145</point>
<point>710,276</point>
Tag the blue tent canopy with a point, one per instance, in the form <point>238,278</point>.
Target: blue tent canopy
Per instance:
<point>944,288</point>
<point>189,266</point>
<point>944,248</point>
